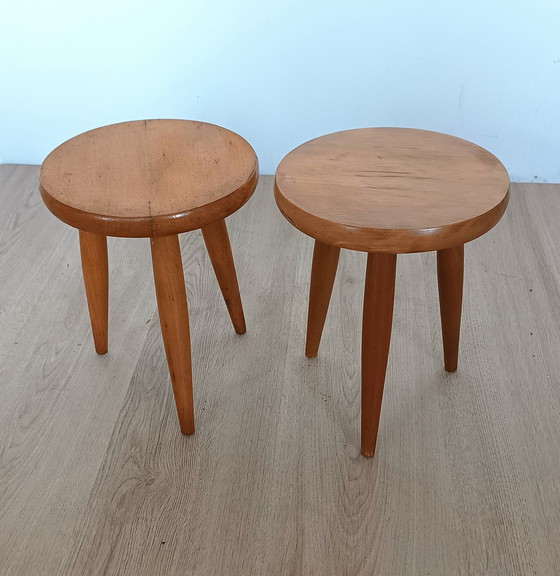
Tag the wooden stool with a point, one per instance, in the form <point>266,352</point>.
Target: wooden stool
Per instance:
<point>156,179</point>
<point>389,191</point>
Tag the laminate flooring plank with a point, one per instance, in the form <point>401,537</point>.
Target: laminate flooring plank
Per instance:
<point>26,231</point>
<point>534,402</point>
<point>95,477</point>
<point>55,394</point>
<point>489,510</point>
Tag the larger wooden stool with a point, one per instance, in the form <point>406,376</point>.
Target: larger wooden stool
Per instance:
<point>389,191</point>
<point>154,179</point>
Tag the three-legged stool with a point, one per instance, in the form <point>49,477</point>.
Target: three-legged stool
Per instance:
<point>389,191</point>
<point>154,179</point>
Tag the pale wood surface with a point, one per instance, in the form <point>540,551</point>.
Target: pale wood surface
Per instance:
<point>95,475</point>
<point>148,177</point>
<point>393,190</point>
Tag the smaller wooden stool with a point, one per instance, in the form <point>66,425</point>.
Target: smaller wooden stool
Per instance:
<point>389,191</point>
<point>154,179</point>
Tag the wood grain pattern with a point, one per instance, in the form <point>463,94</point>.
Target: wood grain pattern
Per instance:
<point>95,270</point>
<point>391,190</point>
<point>464,481</point>
<point>148,177</point>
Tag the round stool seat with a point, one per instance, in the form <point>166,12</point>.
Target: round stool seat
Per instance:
<point>148,178</point>
<point>391,190</point>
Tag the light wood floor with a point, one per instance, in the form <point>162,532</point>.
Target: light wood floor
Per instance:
<point>95,477</point>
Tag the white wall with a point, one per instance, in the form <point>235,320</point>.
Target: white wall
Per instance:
<point>282,72</point>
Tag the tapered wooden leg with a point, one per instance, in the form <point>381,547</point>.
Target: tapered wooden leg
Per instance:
<point>450,265</point>
<point>323,272</point>
<point>95,269</point>
<point>219,249</point>
<point>376,338</point>
<point>173,316</point>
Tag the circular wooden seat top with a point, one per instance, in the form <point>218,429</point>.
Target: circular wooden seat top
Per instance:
<point>391,190</point>
<point>149,177</point>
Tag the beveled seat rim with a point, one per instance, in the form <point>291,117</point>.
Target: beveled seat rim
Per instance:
<point>222,201</point>
<point>299,180</point>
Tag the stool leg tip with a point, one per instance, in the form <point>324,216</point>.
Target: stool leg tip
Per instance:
<point>187,429</point>
<point>367,452</point>
<point>240,328</point>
